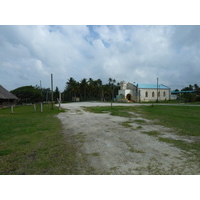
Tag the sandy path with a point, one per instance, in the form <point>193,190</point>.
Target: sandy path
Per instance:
<point>111,148</point>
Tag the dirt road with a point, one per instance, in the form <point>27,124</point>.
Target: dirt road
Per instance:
<point>109,146</point>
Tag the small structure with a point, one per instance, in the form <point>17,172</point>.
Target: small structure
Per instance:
<point>75,99</point>
<point>142,92</point>
<point>180,94</point>
<point>183,92</point>
<point>6,98</point>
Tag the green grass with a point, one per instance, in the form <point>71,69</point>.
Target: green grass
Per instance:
<point>126,124</point>
<point>135,150</point>
<point>151,133</point>
<point>140,121</point>
<point>186,119</point>
<point>33,143</point>
<point>188,147</point>
<point>95,154</point>
<point>115,110</point>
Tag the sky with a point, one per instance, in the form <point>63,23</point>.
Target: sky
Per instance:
<point>133,53</point>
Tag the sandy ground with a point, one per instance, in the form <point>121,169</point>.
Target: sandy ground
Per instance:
<point>109,147</point>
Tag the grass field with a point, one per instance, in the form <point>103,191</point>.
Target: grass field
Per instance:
<point>185,120</point>
<point>33,143</point>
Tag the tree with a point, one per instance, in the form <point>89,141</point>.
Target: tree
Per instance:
<point>196,87</point>
<point>28,94</point>
<point>72,86</point>
<point>193,95</point>
<point>90,89</point>
<point>111,83</point>
<point>56,93</point>
<point>84,87</point>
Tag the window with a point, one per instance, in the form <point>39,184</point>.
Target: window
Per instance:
<point>164,94</point>
<point>153,94</point>
<point>158,94</point>
<point>146,94</point>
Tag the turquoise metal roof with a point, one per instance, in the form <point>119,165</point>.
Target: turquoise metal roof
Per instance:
<point>151,86</point>
<point>188,91</point>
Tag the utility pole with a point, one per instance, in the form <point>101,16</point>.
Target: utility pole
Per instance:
<point>52,91</point>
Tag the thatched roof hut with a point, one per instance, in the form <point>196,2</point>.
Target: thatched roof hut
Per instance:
<point>6,98</point>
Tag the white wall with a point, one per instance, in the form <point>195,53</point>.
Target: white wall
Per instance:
<point>127,91</point>
<point>150,91</point>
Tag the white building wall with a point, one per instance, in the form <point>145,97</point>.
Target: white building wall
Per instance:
<point>140,94</point>
<point>124,93</point>
<point>151,98</point>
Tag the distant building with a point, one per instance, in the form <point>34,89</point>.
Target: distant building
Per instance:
<point>142,92</point>
<point>6,98</point>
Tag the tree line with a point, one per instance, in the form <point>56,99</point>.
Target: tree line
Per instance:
<point>191,96</point>
<point>84,90</point>
<point>90,89</point>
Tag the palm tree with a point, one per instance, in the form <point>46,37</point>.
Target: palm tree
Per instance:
<point>84,87</point>
<point>111,83</point>
<point>72,86</point>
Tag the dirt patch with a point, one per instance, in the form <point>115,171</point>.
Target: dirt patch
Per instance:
<point>117,145</point>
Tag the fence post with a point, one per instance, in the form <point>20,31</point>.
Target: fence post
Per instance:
<point>59,101</point>
<point>41,107</point>
<point>12,109</point>
<point>34,107</point>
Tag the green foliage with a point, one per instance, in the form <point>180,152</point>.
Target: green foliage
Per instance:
<point>193,96</point>
<point>35,94</point>
<point>90,89</point>
<point>56,94</point>
<point>28,94</point>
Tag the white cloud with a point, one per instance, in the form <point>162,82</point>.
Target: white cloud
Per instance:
<point>131,53</point>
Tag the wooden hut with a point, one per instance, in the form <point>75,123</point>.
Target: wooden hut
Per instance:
<point>6,98</point>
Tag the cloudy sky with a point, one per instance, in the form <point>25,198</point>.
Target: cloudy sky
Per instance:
<point>136,53</point>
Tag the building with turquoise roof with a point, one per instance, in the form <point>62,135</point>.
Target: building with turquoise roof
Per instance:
<point>132,92</point>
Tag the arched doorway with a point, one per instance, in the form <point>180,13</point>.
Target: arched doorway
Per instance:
<point>128,97</point>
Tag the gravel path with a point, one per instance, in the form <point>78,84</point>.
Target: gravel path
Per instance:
<point>110,147</point>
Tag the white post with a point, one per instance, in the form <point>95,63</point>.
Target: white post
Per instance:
<point>41,107</point>
<point>34,105</point>
<point>59,101</point>
<point>12,109</point>
<point>52,91</point>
